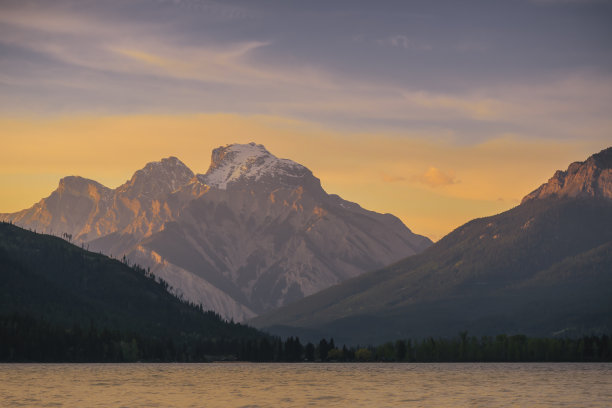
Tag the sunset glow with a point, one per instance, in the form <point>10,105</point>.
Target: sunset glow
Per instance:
<point>437,120</point>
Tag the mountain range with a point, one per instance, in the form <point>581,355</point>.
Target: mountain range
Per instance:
<point>542,268</point>
<point>253,233</point>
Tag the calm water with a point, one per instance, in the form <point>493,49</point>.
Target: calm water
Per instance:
<point>300,385</point>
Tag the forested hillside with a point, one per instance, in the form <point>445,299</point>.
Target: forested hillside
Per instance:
<point>52,291</point>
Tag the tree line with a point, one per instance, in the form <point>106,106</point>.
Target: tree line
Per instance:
<point>26,339</point>
<point>463,348</point>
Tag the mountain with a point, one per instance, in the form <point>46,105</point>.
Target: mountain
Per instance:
<point>253,233</point>
<point>45,278</point>
<point>114,222</point>
<point>591,178</point>
<point>541,268</point>
<point>87,210</point>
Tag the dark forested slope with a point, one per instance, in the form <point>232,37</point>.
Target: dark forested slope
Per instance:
<point>541,268</point>
<point>48,281</point>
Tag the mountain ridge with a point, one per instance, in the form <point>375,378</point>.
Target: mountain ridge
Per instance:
<point>590,178</point>
<point>252,233</point>
<point>503,273</point>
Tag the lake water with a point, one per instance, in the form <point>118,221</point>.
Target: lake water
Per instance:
<point>301,385</point>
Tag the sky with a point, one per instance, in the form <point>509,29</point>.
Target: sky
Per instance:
<point>435,111</point>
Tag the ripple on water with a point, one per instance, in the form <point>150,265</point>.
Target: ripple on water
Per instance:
<point>298,385</point>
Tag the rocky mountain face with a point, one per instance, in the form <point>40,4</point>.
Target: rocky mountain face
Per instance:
<point>590,178</point>
<point>87,210</point>
<point>253,233</point>
<point>542,268</point>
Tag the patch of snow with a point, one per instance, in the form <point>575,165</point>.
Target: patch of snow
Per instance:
<point>246,161</point>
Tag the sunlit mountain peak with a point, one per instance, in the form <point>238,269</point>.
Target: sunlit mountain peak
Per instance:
<point>248,162</point>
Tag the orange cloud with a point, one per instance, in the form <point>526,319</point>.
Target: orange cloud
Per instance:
<point>435,177</point>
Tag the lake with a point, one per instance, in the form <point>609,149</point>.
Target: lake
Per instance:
<point>301,385</point>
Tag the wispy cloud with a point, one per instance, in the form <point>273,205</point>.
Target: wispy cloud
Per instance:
<point>80,61</point>
<point>228,65</point>
<point>215,9</point>
<point>479,108</point>
<point>145,49</point>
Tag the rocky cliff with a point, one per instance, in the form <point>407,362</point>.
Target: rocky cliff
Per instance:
<point>590,178</point>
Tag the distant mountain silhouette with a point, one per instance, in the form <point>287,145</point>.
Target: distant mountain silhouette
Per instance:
<point>542,268</point>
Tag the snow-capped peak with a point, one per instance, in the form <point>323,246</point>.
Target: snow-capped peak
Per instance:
<point>246,161</point>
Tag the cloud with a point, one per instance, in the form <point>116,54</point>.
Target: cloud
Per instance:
<point>83,40</point>
<point>50,21</point>
<point>229,65</point>
<point>217,10</point>
<point>76,60</point>
<point>435,177</point>
<point>479,108</point>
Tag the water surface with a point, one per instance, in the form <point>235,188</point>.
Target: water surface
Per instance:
<point>302,385</point>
